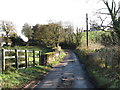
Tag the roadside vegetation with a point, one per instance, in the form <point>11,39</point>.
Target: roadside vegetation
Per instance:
<point>45,38</point>
<point>59,59</point>
<point>101,59</point>
<point>19,78</point>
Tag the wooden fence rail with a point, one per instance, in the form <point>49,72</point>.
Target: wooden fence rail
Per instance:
<point>26,56</point>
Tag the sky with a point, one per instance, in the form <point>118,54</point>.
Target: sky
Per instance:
<point>41,11</point>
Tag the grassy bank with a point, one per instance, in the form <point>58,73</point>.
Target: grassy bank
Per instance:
<point>19,78</point>
<point>13,78</point>
<point>101,58</point>
<point>58,59</point>
<point>101,76</point>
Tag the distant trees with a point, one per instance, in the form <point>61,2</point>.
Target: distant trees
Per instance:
<point>41,33</point>
<point>69,34</point>
<point>78,36</point>
<point>72,37</point>
<point>9,29</point>
<point>57,33</point>
<point>51,34</point>
<point>27,31</point>
<point>47,35</point>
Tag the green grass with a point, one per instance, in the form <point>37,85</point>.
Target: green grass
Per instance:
<point>105,78</point>
<point>22,76</point>
<point>58,59</point>
<point>19,78</point>
<point>94,36</point>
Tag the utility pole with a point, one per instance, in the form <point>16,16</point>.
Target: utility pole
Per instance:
<point>87,29</point>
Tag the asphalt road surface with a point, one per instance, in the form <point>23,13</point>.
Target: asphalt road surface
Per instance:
<point>68,74</point>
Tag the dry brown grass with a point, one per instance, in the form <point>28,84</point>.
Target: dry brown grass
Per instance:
<point>92,46</point>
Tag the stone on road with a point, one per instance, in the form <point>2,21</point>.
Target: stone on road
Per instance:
<point>68,74</point>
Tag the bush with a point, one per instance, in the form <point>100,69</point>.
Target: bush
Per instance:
<point>99,66</point>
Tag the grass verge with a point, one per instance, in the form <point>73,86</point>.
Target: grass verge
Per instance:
<point>100,77</point>
<point>58,59</point>
<point>21,77</point>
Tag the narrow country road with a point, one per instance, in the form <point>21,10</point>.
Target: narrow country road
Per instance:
<point>68,74</point>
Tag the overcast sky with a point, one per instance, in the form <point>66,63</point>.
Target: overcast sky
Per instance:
<point>41,11</point>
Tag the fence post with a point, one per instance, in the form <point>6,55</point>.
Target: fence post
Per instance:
<point>39,57</point>
<point>33,57</point>
<point>42,59</point>
<point>3,60</point>
<point>26,59</point>
<point>16,58</point>
<point>45,61</point>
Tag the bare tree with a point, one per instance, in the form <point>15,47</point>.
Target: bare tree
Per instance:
<point>113,11</point>
<point>78,36</point>
<point>9,29</point>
